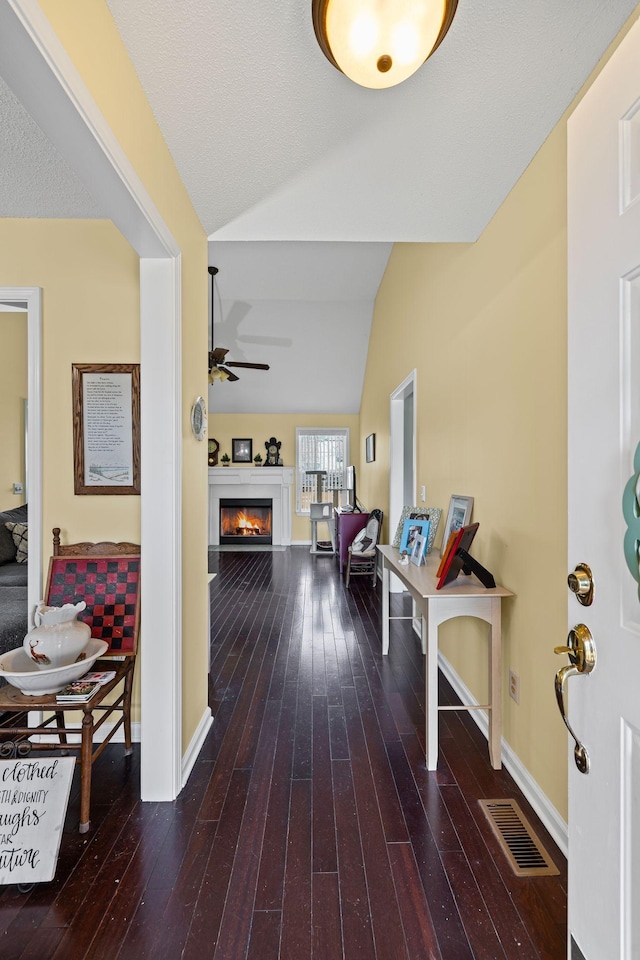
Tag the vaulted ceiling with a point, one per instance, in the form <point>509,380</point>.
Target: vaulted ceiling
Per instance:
<point>303,180</point>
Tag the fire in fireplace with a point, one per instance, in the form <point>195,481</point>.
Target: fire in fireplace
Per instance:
<point>246,521</point>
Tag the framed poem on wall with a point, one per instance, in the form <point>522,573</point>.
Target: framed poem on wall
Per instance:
<point>106,428</point>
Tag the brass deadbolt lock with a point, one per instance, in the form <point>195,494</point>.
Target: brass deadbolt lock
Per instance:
<point>581,584</point>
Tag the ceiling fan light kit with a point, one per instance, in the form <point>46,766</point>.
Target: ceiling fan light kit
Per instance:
<point>217,363</point>
<point>380,43</point>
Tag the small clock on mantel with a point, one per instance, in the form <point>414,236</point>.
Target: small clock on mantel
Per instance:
<point>213,448</point>
<point>273,452</point>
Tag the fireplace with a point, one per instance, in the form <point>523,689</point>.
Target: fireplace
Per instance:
<point>246,520</point>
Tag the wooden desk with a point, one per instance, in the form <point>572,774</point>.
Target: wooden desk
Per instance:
<point>465,597</point>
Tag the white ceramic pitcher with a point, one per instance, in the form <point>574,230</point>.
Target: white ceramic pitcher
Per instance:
<point>58,638</point>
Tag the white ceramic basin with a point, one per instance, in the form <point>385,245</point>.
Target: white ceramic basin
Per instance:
<point>20,671</point>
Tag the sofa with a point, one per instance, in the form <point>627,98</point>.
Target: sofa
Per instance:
<point>13,584</point>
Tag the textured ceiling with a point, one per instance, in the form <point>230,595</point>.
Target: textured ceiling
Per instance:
<point>36,180</point>
<point>274,145</point>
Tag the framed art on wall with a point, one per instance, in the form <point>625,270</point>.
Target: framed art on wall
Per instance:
<point>370,447</point>
<point>106,428</point>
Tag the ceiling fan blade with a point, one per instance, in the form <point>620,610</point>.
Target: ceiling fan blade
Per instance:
<point>230,376</point>
<point>219,353</point>
<point>249,366</point>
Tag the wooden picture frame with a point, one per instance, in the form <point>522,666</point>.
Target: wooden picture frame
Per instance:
<point>242,450</point>
<point>106,428</point>
<point>370,448</point>
<point>458,515</point>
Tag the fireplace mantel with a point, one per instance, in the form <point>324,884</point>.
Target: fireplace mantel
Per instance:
<point>273,482</point>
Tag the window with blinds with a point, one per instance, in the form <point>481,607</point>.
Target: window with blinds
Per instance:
<point>323,449</point>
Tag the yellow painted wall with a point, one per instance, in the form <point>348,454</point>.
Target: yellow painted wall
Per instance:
<point>261,426</point>
<point>88,33</point>
<point>13,392</point>
<point>485,325</point>
<point>90,281</point>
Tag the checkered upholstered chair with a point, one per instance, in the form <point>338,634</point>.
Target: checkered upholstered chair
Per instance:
<point>362,559</point>
<point>106,576</point>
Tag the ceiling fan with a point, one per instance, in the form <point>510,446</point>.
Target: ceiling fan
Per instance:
<point>218,366</point>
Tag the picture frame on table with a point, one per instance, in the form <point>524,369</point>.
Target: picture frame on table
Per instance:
<point>242,450</point>
<point>411,529</point>
<point>458,516</point>
<point>432,514</point>
<point>370,447</point>
<point>419,550</point>
<point>453,563</point>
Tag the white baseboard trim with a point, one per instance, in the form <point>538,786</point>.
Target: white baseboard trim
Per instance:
<point>191,755</point>
<point>188,760</point>
<point>550,817</point>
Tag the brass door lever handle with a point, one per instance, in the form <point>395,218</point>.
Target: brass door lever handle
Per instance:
<point>581,650</point>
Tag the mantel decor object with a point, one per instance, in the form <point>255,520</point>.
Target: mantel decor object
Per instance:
<point>212,452</point>
<point>242,450</point>
<point>272,447</point>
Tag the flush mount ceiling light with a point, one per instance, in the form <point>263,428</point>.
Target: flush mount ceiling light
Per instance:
<point>379,43</point>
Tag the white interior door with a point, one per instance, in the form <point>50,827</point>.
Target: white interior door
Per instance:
<point>604,431</point>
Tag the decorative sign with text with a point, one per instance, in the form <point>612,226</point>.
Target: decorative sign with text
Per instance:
<point>34,794</point>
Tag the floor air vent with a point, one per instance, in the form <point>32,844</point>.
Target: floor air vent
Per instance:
<point>522,847</point>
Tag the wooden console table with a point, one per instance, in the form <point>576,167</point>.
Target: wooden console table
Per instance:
<point>465,597</point>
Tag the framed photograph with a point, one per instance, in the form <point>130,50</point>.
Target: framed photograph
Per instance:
<point>432,514</point>
<point>241,451</point>
<point>458,515</point>
<point>419,550</point>
<point>453,564</point>
<point>410,531</point>
<point>370,447</point>
<point>106,428</point>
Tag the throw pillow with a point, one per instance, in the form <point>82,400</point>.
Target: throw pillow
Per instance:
<point>7,546</point>
<point>19,533</point>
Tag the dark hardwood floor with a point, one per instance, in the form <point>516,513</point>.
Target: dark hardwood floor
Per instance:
<point>310,827</point>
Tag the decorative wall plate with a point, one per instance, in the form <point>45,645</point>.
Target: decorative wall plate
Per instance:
<point>199,418</point>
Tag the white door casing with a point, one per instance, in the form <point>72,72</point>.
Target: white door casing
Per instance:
<point>30,299</point>
<point>402,461</point>
<point>41,74</point>
<point>604,430</point>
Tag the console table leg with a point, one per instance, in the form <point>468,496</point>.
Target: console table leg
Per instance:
<point>385,608</point>
<point>495,685</point>
<point>431,684</point>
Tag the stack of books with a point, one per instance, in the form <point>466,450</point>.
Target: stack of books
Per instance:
<point>82,690</point>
